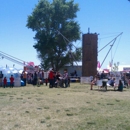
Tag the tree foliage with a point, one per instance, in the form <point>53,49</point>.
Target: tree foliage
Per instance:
<point>53,22</point>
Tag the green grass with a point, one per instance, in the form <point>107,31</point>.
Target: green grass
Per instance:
<point>73,108</point>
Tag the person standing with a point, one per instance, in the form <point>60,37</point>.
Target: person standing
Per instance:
<point>24,77</point>
<point>103,75</point>
<point>46,81</point>
<point>42,76</point>
<point>51,79</point>
<point>11,81</point>
<point>65,78</point>
<point>35,79</point>
<point>1,78</point>
<point>31,78</point>
<point>5,82</point>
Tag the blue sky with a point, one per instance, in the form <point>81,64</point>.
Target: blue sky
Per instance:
<point>108,18</point>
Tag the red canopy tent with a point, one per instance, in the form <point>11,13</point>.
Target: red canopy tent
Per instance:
<point>106,70</point>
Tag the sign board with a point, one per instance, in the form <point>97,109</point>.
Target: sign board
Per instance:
<point>126,69</point>
<point>86,80</point>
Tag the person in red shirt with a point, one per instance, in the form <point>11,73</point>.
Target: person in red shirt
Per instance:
<point>5,82</point>
<point>51,79</point>
<point>11,81</point>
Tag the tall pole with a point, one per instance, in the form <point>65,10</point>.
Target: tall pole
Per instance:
<point>106,56</point>
<point>110,49</point>
<point>110,42</point>
<point>108,52</point>
<point>111,57</point>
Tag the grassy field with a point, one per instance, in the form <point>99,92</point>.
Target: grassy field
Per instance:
<point>73,108</point>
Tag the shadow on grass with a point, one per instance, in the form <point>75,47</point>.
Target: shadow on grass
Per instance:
<point>91,123</point>
<point>39,108</point>
<point>108,90</point>
<point>43,121</point>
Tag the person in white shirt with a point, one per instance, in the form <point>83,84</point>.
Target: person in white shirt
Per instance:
<point>65,78</point>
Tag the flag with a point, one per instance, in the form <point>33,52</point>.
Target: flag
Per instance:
<point>31,63</point>
<point>110,64</point>
<point>98,65</point>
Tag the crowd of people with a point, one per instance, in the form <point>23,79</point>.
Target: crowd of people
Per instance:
<point>54,78</point>
<point>123,80</point>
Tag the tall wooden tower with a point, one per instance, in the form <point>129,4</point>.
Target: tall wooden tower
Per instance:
<point>89,54</point>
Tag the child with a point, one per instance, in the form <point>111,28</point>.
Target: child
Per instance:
<point>93,82</point>
<point>11,81</point>
<point>5,82</point>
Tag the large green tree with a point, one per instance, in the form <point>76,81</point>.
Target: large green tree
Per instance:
<point>55,27</point>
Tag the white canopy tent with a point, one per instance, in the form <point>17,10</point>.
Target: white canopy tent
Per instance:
<point>7,72</point>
